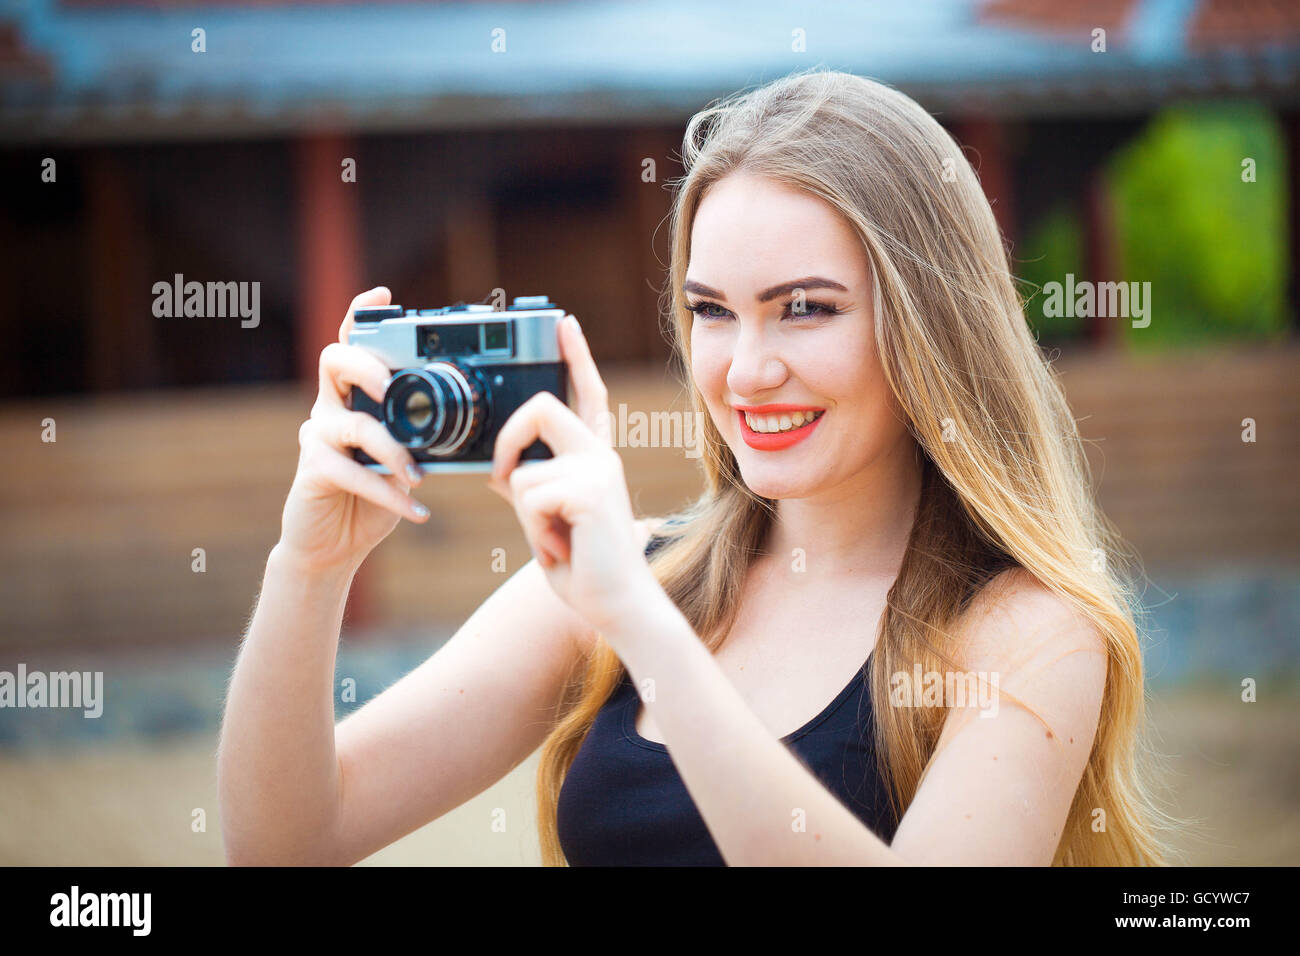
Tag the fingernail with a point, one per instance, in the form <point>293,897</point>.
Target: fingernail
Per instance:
<point>414,474</point>
<point>576,324</point>
<point>420,510</point>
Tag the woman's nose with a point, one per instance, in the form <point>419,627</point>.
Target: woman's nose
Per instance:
<point>755,366</point>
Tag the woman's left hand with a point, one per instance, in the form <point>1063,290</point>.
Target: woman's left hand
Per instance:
<point>574,507</point>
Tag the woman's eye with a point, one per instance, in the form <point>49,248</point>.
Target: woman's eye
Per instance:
<point>702,309</point>
<point>811,310</point>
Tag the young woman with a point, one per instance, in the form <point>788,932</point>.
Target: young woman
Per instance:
<point>896,508</point>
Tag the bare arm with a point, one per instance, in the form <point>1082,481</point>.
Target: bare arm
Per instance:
<point>277,773</point>
<point>996,791</point>
<point>296,789</point>
<point>460,721</point>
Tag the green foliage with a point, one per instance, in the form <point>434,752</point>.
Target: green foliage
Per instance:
<point>1052,248</point>
<point>1213,247</point>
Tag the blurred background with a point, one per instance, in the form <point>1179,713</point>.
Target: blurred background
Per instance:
<point>528,147</point>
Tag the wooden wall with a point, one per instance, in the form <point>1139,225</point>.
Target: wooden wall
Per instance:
<point>99,527</point>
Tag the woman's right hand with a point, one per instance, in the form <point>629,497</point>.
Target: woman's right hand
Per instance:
<point>338,509</point>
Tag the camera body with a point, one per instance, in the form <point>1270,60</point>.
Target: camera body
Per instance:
<point>459,373</point>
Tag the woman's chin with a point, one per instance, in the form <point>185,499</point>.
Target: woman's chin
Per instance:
<point>776,481</point>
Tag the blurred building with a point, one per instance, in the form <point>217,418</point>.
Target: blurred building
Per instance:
<point>505,146</point>
<point>501,145</point>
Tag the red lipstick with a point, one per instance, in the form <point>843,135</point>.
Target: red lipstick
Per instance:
<point>775,441</point>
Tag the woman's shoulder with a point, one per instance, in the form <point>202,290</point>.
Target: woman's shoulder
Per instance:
<point>1047,657</point>
<point>1015,618</point>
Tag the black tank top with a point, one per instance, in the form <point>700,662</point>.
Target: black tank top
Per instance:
<point>624,804</point>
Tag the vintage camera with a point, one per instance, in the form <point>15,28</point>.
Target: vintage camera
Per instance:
<point>458,373</point>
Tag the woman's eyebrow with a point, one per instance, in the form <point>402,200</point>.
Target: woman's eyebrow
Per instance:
<point>785,288</point>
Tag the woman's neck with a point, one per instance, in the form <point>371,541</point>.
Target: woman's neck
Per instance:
<point>861,525</point>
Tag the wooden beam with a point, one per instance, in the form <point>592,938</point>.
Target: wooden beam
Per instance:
<point>123,352</point>
<point>329,277</point>
<point>1100,252</point>
<point>1291,137</point>
<point>329,244</point>
<point>992,161</point>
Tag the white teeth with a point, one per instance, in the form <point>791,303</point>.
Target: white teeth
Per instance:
<point>780,423</point>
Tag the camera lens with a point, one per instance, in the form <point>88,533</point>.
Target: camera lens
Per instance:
<point>418,409</point>
<point>414,408</point>
<point>437,408</point>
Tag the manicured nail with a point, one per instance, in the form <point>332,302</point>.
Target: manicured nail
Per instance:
<point>420,510</point>
<point>414,473</point>
<point>576,324</point>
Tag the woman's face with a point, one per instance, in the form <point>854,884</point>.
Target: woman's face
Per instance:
<point>762,365</point>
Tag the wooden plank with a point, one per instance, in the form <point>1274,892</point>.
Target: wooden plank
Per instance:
<point>100,525</point>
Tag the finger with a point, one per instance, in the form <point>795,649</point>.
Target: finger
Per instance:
<point>543,417</point>
<point>346,429</point>
<point>557,539</point>
<point>355,478</point>
<point>541,512</point>
<point>554,544</point>
<point>552,536</point>
<point>342,366</point>
<point>379,295</point>
<point>530,474</point>
<point>592,397</point>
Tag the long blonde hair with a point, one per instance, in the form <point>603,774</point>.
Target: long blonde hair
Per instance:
<point>1013,489</point>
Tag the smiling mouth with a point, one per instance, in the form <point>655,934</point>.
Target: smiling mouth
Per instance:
<point>776,423</point>
<point>775,428</point>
